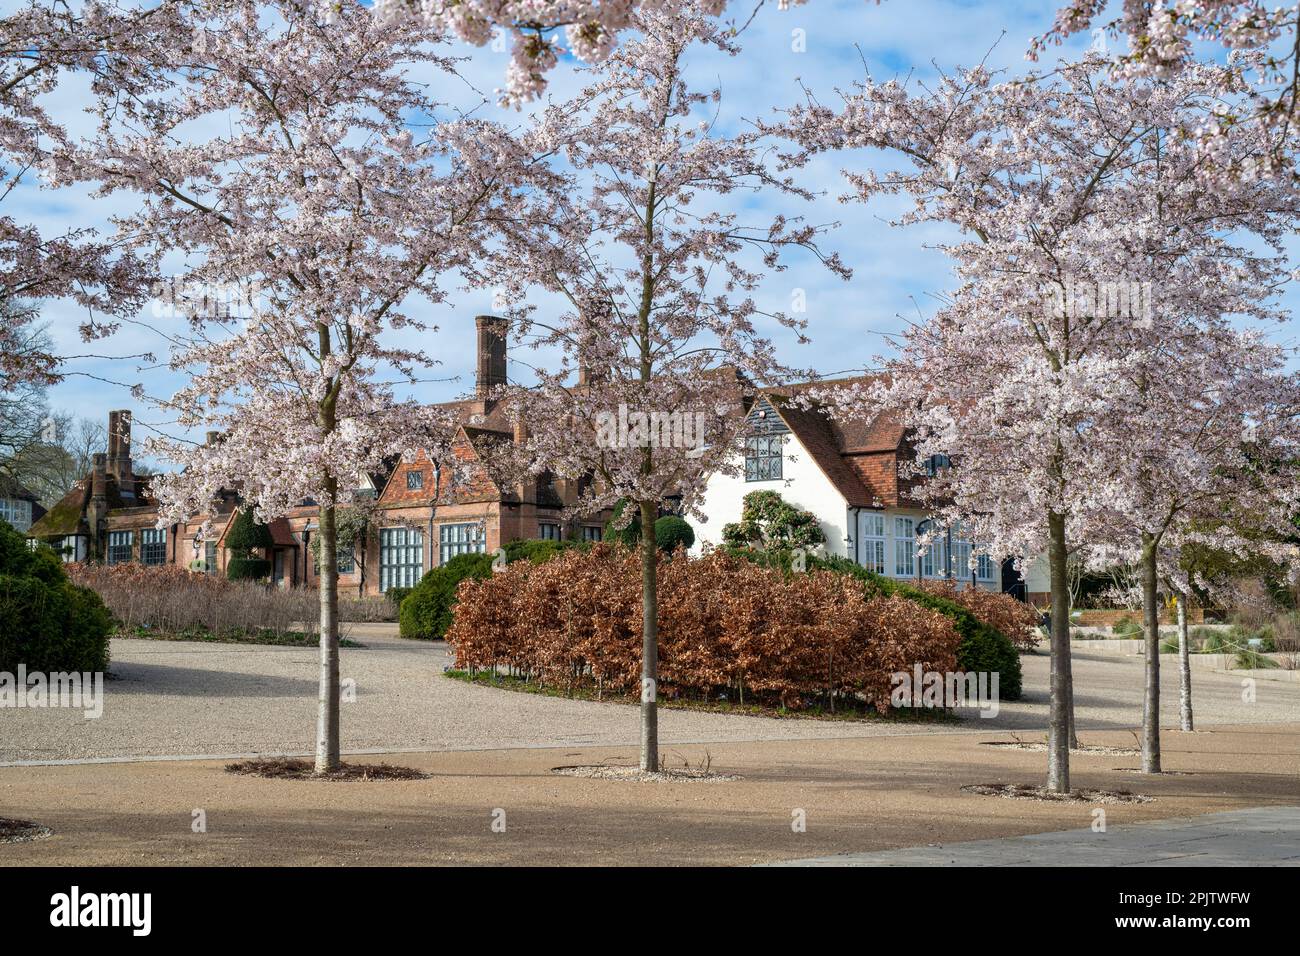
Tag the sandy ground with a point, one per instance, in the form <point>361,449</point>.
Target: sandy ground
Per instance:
<point>195,699</point>
<point>856,795</point>
<point>131,794</point>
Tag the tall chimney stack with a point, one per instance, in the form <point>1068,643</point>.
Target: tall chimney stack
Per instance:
<point>119,452</point>
<point>97,506</point>
<point>491,353</point>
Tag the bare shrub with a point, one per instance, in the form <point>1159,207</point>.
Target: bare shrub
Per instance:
<point>172,600</point>
<point>725,625</point>
<point>1250,604</point>
<point>1286,633</point>
<point>366,610</point>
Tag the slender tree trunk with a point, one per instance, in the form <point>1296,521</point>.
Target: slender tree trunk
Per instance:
<point>1069,709</point>
<point>1058,740</point>
<point>649,640</point>
<point>1151,699</point>
<point>1184,668</point>
<point>327,716</point>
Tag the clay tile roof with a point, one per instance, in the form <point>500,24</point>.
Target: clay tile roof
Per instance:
<point>813,429</point>
<point>68,516</point>
<point>860,458</point>
<point>281,533</point>
<point>878,433</point>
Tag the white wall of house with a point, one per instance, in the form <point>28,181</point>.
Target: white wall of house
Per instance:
<point>883,541</point>
<point>72,548</point>
<point>1037,576</point>
<point>803,484</point>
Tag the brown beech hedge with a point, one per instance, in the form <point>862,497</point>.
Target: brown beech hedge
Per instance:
<point>726,625</point>
<point>1016,619</point>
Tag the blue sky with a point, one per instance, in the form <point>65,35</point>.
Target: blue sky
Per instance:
<point>895,275</point>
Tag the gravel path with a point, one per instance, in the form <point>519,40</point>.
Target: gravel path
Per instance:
<point>189,699</point>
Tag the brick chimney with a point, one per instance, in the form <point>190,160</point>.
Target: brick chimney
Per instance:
<point>119,452</point>
<point>491,353</point>
<point>97,506</point>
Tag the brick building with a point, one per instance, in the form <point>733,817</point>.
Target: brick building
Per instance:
<point>420,514</point>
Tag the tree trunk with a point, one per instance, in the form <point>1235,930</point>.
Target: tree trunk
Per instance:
<point>649,640</point>
<point>327,718</point>
<point>1184,669</point>
<point>1058,741</point>
<point>1069,706</point>
<point>1151,700</point>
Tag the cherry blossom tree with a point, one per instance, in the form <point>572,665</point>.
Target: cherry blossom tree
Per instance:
<point>1265,45</point>
<point>1086,236</point>
<point>539,33</point>
<point>1213,436</point>
<point>298,166</point>
<point>36,43</point>
<point>661,326</point>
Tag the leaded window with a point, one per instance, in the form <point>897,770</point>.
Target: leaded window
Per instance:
<point>904,547</point>
<point>873,542</point>
<point>454,539</point>
<point>401,557</point>
<point>153,546</point>
<point>763,457</point>
<point>119,546</point>
<point>16,511</point>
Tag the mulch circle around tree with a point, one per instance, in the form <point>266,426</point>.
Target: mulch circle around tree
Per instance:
<point>637,775</point>
<point>1092,750</point>
<point>21,831</point>
<point>280,768</point>
<point>1024,791</point>
<point>1162,773</point>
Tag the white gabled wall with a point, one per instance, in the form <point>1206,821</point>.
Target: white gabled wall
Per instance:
<point>1037,575</point>
<point>803,484</point>
<point>806,486</point>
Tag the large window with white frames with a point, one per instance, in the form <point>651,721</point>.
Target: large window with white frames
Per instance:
<point>16,511</point>
<point>904,547</point>
<point>463,538</point>
<point>874,542</point>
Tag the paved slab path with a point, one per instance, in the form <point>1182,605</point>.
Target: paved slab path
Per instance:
<point>1265,836</point>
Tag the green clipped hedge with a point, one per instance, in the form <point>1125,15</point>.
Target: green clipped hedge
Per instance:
<point>537,551</point>
<point>426,612</point>
<point>47,622</point>
<point>672,532</point>
<point>248,569</point>
<point>982,647</point>
<point>246,534</point>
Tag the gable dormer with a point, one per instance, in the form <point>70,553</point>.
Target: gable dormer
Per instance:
<point>763,419</point>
